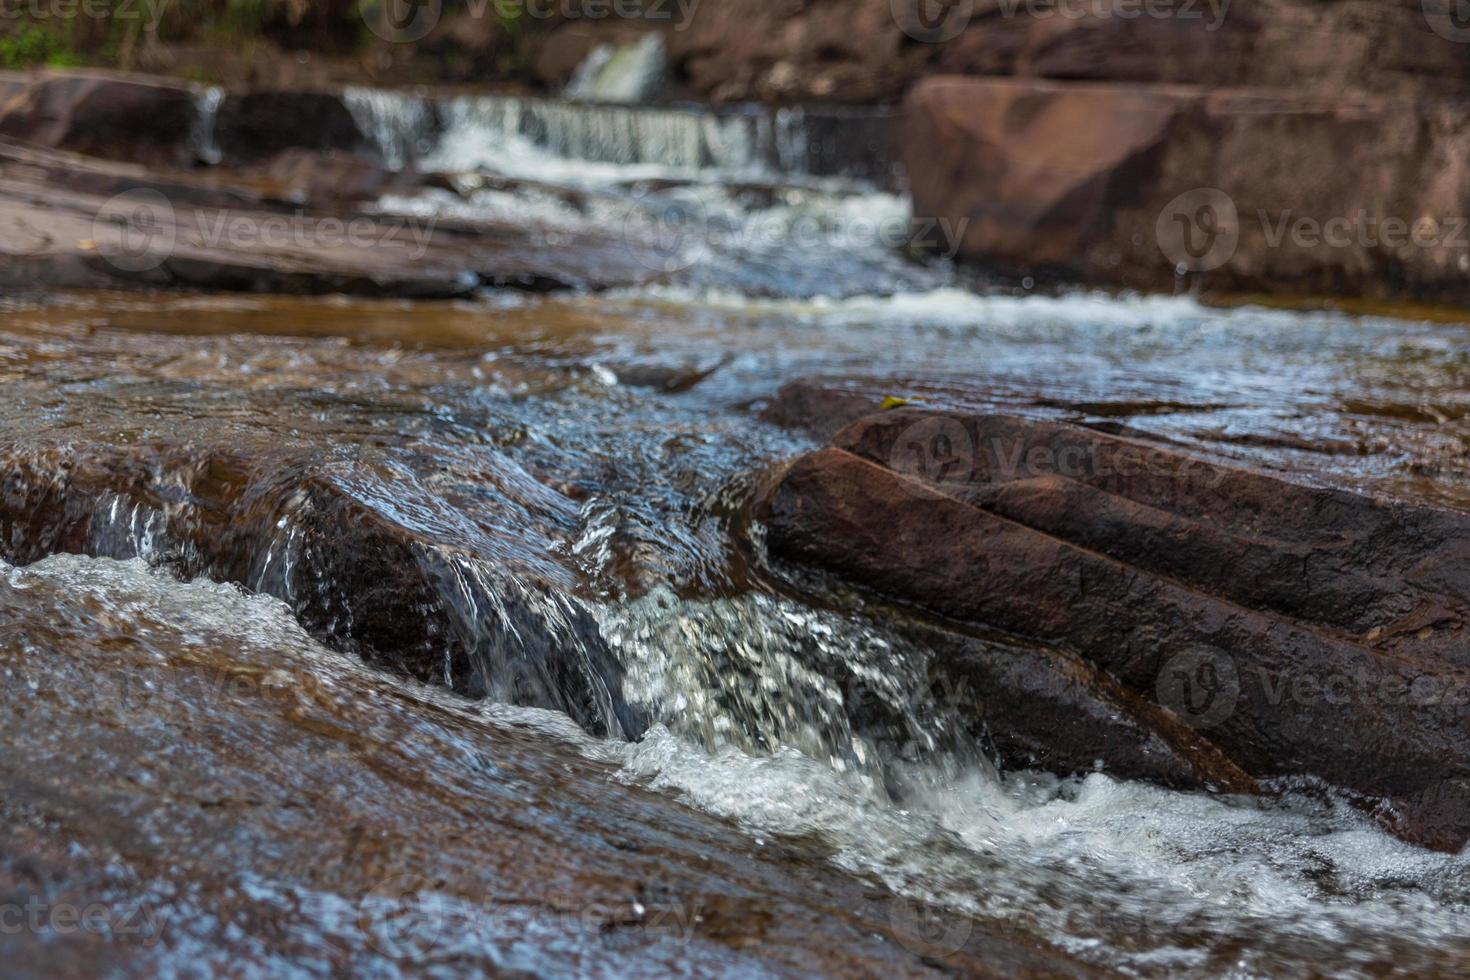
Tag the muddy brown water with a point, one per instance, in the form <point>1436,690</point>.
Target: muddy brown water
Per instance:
<point>228,792</point>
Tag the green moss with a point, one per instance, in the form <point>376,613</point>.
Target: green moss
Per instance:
<point>32,46</point>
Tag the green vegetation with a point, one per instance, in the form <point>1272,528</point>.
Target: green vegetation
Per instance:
<point>31,46</point>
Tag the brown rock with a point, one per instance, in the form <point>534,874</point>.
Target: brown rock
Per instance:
<point>875,50</point>
<point>241,798</point>
<point>1302,631</point>
<point>1047,709</point>
<point>1134,185</point>
<point>333,179</point>
<point>136,118</point>
<point>419,599</point>
<point>72,222</point>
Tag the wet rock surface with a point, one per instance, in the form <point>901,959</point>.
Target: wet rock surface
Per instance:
<point>1302,631</point>
<point>73,221</point>
<point>255,802</point>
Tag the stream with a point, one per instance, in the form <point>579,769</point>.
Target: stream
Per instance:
<point>588,461</point>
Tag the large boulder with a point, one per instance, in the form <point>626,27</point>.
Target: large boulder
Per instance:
<point>256,125</point>
<point>1302,631</point>
<point>1254,191</point>
<point>135,118</point>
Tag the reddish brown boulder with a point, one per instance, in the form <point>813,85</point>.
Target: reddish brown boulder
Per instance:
<point>1250,190</point>
<point>136,118</point>
<point>1302,631</point>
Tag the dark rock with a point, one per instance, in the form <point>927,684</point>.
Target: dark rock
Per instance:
<point>333,179</point>
<point>821,408</point>
<point>1048,709</point>
<point>875,50</point>
<point>405,597</point>
<point>139,119</point>
<point>1302,631</point>
<point>256,125</point>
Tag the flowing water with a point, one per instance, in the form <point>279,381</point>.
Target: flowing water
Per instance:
<point>572,476</point>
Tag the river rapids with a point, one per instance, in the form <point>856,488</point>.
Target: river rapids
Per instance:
<point>575,473</point>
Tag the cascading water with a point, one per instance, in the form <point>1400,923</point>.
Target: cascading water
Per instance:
<point>206,112</point>
<point>504,132</point>
<point>626,73</point>
<point>552,502</point>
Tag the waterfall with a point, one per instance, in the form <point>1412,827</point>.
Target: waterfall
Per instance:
<point>624,73</point>
<point>206,112</point>
<point>491,130</point>
<point>403,127</point>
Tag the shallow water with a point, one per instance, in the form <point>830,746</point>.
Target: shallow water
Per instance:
<point>595,456</point>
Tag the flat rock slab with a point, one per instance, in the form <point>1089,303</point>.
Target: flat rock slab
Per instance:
<point>1302,631</point>
<point>71,221</point>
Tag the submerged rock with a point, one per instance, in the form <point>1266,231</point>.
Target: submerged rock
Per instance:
<point>1301,631</point>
